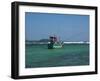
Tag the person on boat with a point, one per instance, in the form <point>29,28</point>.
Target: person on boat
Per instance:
<point>50,46</point>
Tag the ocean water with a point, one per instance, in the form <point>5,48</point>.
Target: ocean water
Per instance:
<point>37,55</point>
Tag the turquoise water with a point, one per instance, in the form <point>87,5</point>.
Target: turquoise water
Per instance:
<point>37,55</point>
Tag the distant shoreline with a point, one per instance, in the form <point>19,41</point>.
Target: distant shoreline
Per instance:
<point>81,42</point>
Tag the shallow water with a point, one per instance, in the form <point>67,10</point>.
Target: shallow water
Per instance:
<point>37,55</point>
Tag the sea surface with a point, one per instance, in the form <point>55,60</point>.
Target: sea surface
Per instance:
<point>38,55</point>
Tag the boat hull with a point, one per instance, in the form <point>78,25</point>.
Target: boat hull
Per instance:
<point>57,46</point>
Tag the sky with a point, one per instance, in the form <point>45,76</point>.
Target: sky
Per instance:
<point>68,27</point>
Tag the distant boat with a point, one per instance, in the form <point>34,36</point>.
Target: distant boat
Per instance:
<point>54,43</point>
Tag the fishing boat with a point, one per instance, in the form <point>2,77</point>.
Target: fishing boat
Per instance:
<point>54,42</point>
